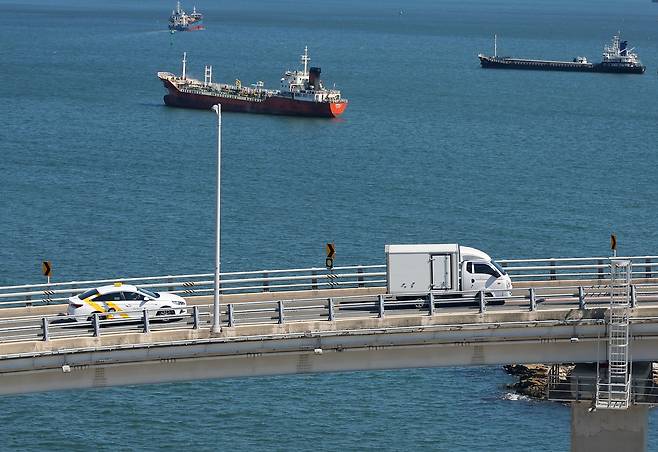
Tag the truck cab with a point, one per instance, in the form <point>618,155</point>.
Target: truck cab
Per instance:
<point>480,272</point>
<point>487,276</point>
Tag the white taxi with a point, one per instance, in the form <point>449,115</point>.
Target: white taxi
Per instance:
<point>123,301</point>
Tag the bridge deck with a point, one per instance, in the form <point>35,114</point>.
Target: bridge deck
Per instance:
<point>395,341</point>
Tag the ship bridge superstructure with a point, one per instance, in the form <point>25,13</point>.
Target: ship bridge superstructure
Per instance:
<point>305,84</point>
<point>618,53</point>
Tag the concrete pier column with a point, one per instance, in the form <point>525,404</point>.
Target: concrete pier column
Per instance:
<point>608,430</point>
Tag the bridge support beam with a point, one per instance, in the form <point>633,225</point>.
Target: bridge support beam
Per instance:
<point>608,430</point>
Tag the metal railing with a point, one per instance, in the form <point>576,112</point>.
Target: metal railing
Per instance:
<point>579,388</point>
<point>203,284</point>
<point>191,285</point>
<point>30,328</point>
<point>574,268</point>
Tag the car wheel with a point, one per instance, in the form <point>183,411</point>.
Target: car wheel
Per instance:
<point>423,304</point>
<point>109,314</point>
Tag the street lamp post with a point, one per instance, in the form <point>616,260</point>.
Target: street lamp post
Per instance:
<point>216,326</point>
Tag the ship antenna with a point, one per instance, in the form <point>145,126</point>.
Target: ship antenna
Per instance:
<point>305,59</point>
<point>495,45</point>
<point>184,63</point>
<point>178,7</point>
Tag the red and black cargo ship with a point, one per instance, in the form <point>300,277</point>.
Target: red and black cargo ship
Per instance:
<point>302,94</point>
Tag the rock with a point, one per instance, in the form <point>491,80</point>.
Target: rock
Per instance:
<point>533,378</point>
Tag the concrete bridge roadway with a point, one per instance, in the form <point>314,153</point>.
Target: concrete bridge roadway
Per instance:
<point>545,290</point>
<point>361,336</point>
<point>256,308</point>
<point>341,330</point>
<point>554,320</point>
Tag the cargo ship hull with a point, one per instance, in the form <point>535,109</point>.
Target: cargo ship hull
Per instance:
<point>569,66</point>
<point>273,105</point>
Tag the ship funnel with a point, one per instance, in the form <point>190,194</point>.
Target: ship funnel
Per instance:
<point>314,77</point>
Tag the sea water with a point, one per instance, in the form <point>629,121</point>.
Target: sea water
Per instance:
<point>103,180</point>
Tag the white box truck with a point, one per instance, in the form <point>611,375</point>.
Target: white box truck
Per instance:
<point>443,269</point>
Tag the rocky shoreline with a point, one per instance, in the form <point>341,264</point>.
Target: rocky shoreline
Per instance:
<point>533,378</point>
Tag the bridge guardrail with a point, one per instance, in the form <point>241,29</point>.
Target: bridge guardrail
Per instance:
<point>551,269</point>
<point>31,328</point>
<point>520,270</point>
<point>203,284</point>
<point>582,388</point>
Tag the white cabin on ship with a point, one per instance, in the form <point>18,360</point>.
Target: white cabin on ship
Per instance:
<point>305,84</point>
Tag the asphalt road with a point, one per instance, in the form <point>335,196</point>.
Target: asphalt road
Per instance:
<point>23,328</point>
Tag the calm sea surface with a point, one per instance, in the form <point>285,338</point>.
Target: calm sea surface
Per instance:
<point>99,177</point>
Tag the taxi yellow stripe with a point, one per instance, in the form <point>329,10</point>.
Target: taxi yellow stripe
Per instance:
<point>94,306</point>
<point>117,308</point>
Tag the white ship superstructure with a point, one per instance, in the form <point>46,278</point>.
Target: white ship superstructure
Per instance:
<point>306,85</point>
<point>617,53</point>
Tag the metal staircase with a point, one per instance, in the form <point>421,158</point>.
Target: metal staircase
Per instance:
<point>614,392</point>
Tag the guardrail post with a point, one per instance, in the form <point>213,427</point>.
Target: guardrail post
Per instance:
<point>231,319</point>
<point>647,269</point>
<point>633,296</point>
<point>314,280</point>
<point>95,323</point>
<point>431,301</point>
<point>170,281</point>
<point>145,319</point>
<point>281,308</point>
<point>330,307</point>
<point>553,273</point>
<point>28,301</point>
<point>195,317</point>
<point>44,328</point>
<point>266,283</point>
<point>600,263</point>
<point>581,298</point>
<point>533,299</point>
<point>380,305</point>
<point>360,277</point>
<point>483,304</point>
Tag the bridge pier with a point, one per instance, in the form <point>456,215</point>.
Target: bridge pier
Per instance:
<point>608,430</point>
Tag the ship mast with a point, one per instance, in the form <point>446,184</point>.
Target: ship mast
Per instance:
<point>184,63</point>
<point>305,60</point>
<point>495,45</point>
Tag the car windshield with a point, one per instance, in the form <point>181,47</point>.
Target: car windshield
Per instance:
<point>87,294</point>
<point>499,267</point>
<point>149,293</point>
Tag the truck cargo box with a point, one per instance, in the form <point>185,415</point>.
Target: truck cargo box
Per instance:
<point>421,269</point>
